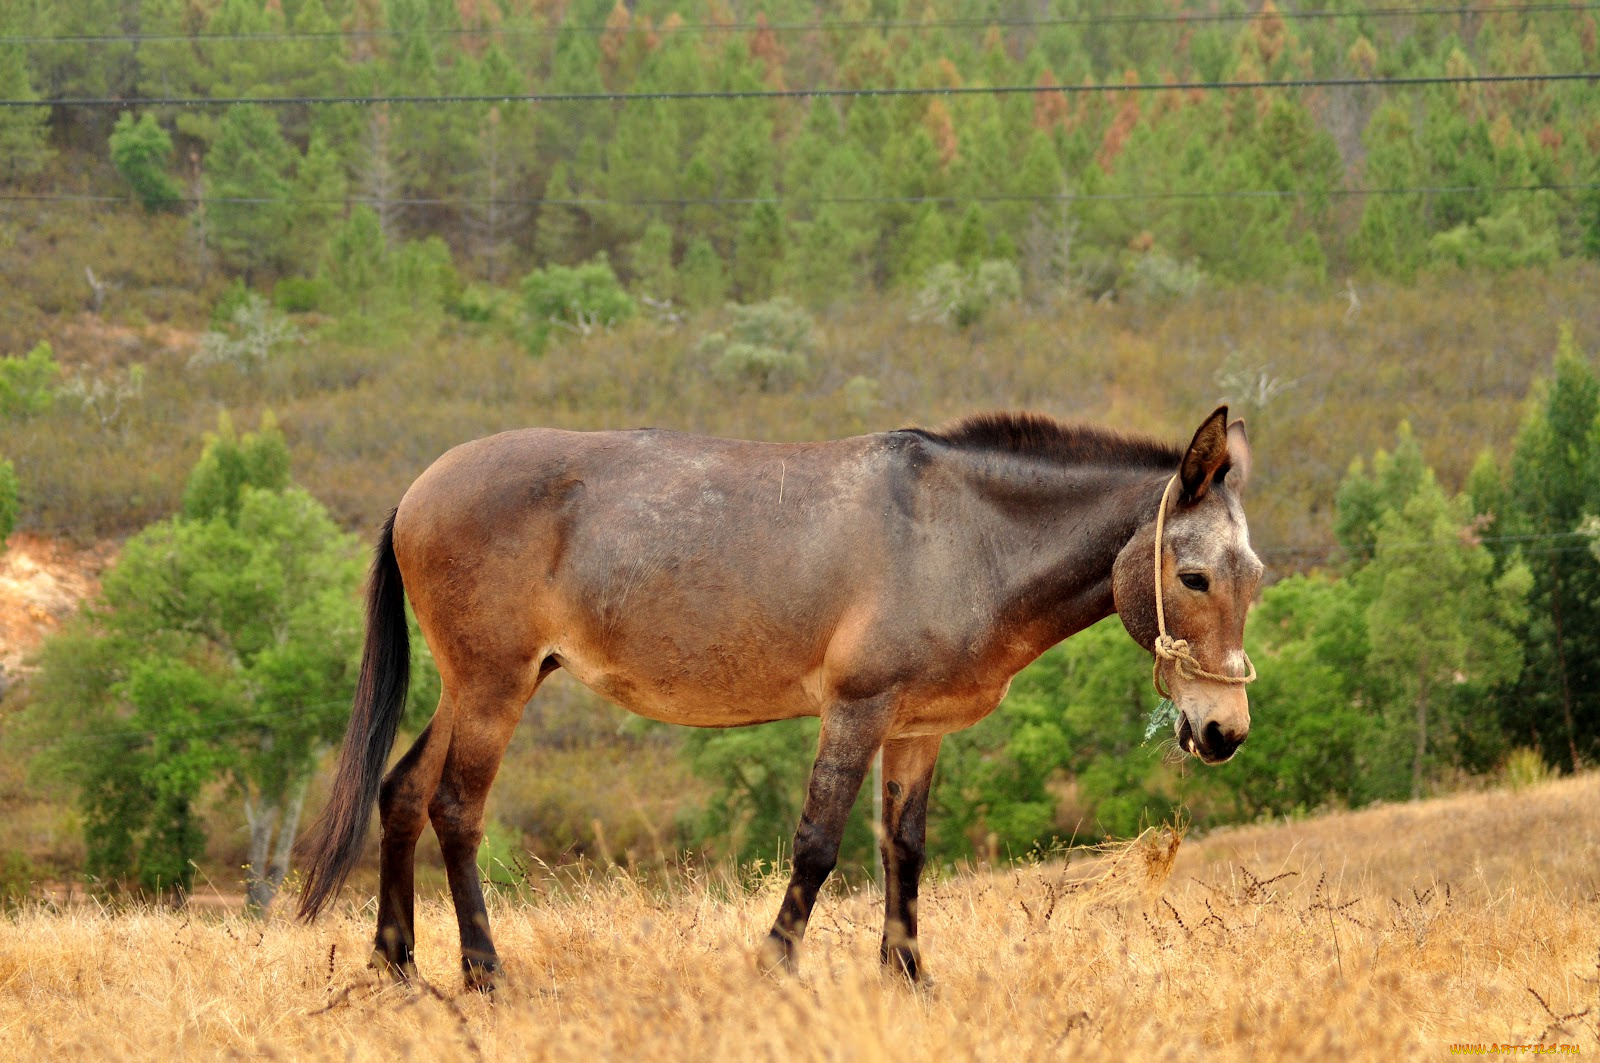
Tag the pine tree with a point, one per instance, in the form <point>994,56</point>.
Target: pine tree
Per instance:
<point>702,277</point>
<point>759,252</point>
<point>559,234</point>
<point>651,261</point>
<point>319,191</point>
<point>24,131</point>
<point>1392,235</point>
<point>249,182</point>
<point>1554,482</point>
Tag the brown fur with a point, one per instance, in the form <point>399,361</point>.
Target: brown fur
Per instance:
<point>891,584</point>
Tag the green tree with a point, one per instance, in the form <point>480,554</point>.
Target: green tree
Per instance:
<point>223,647</point>
<point>142,152</point>
<point>10,490</point>
<point>1553,482</point>
<point>1392,236</point>
<point>1440,616</point>
<point>759,251</point>
<point>27,382</point>
<point>357,257</point>
<point>702,277</point>
<point>559,232</point>
<point>651,259</point>
<point>249,178</point>
<point>24,131</point>
<point>576,299</point>
<point>319,191</point>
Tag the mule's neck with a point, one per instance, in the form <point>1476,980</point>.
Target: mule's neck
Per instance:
<point>1053,531</point>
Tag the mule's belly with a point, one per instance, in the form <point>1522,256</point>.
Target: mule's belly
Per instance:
<point>689,699</point>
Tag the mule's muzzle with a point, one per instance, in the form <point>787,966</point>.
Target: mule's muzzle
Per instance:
<point>1212,744</point>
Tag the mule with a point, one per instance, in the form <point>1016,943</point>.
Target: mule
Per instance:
<point>891,584</point>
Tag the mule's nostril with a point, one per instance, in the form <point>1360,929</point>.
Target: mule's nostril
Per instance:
<point>1215,742</point>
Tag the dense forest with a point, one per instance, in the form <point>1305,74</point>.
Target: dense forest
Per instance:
<point>265,259</point>
<point>678,140</point>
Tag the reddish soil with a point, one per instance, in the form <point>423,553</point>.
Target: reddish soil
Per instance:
<point>42,581</point>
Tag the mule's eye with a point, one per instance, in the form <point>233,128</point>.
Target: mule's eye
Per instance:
<point>1194,581</point>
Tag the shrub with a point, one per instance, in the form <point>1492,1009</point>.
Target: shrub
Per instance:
<point>27,382</point>
<point>236,295</point>
<point>1517,236</point>
<point>253,336</point>
<point>961,297</point>
<point>1525,767</point>
<point>575,298</point>
<point>477,304</point>
<point>141,152</point>
<point>9,490</point>
<point>300,295</point>
<point>1157,277</point>
<point>423,274</point>
<point>106,398</point>
<point>768,345</point>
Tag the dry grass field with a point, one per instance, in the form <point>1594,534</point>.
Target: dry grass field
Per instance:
<point>1389,933</point>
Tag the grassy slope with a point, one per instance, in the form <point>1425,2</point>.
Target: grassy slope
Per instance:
<point>365,412</point>
<point>1380,934</point>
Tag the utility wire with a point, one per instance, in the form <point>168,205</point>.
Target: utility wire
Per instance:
<point>810,93</point>
<point>826,26</point>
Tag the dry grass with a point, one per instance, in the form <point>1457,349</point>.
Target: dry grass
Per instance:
<point>1386,933</point>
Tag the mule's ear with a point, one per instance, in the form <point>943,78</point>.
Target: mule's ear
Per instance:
<point>1238,457</point>
<point>1207,453</point>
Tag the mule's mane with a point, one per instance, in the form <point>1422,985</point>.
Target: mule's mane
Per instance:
<point>1036,435</point>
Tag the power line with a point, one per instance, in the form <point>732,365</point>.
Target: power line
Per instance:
<point>830,26</point>
<point>733,201</point>
<point>808,93</point>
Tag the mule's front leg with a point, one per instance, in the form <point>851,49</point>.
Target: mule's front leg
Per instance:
<point>850,737</point>
<point>907,776</point>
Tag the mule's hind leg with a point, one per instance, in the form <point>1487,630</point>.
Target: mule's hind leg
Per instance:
<point>483,729</point>
<point>907,775</point>
<point>402,808</point>
<point>851,734</point>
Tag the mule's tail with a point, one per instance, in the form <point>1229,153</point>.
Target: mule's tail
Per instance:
<point>333,844</point>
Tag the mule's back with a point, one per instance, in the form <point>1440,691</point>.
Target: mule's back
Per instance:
<point>716,570</point>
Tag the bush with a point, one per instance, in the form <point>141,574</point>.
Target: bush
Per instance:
<point>575,298</point>
<point>423,274</point>
<point>235,296</point>
<point>1525,767</point>
<point>9,490</point>
<point>1157,277</point>
<point>300,295</point>
<point>27,382</point>
<point>961,297</point>
<point>1523,235</point>
<point>252,337</point>
<point>141,152</point>
<point>477,304</point>
<point>768,345</point>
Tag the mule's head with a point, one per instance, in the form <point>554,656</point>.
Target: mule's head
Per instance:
<point>1209,576</point>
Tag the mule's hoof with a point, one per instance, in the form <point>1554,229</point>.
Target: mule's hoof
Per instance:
<point>902,961</point>
<point>402,970</point>
<point>480,974</point>
<point>776,957</point>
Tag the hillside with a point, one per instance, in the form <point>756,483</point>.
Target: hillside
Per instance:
<point>1393,932</point>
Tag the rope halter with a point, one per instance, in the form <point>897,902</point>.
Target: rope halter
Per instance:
<point>1177,651</point>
